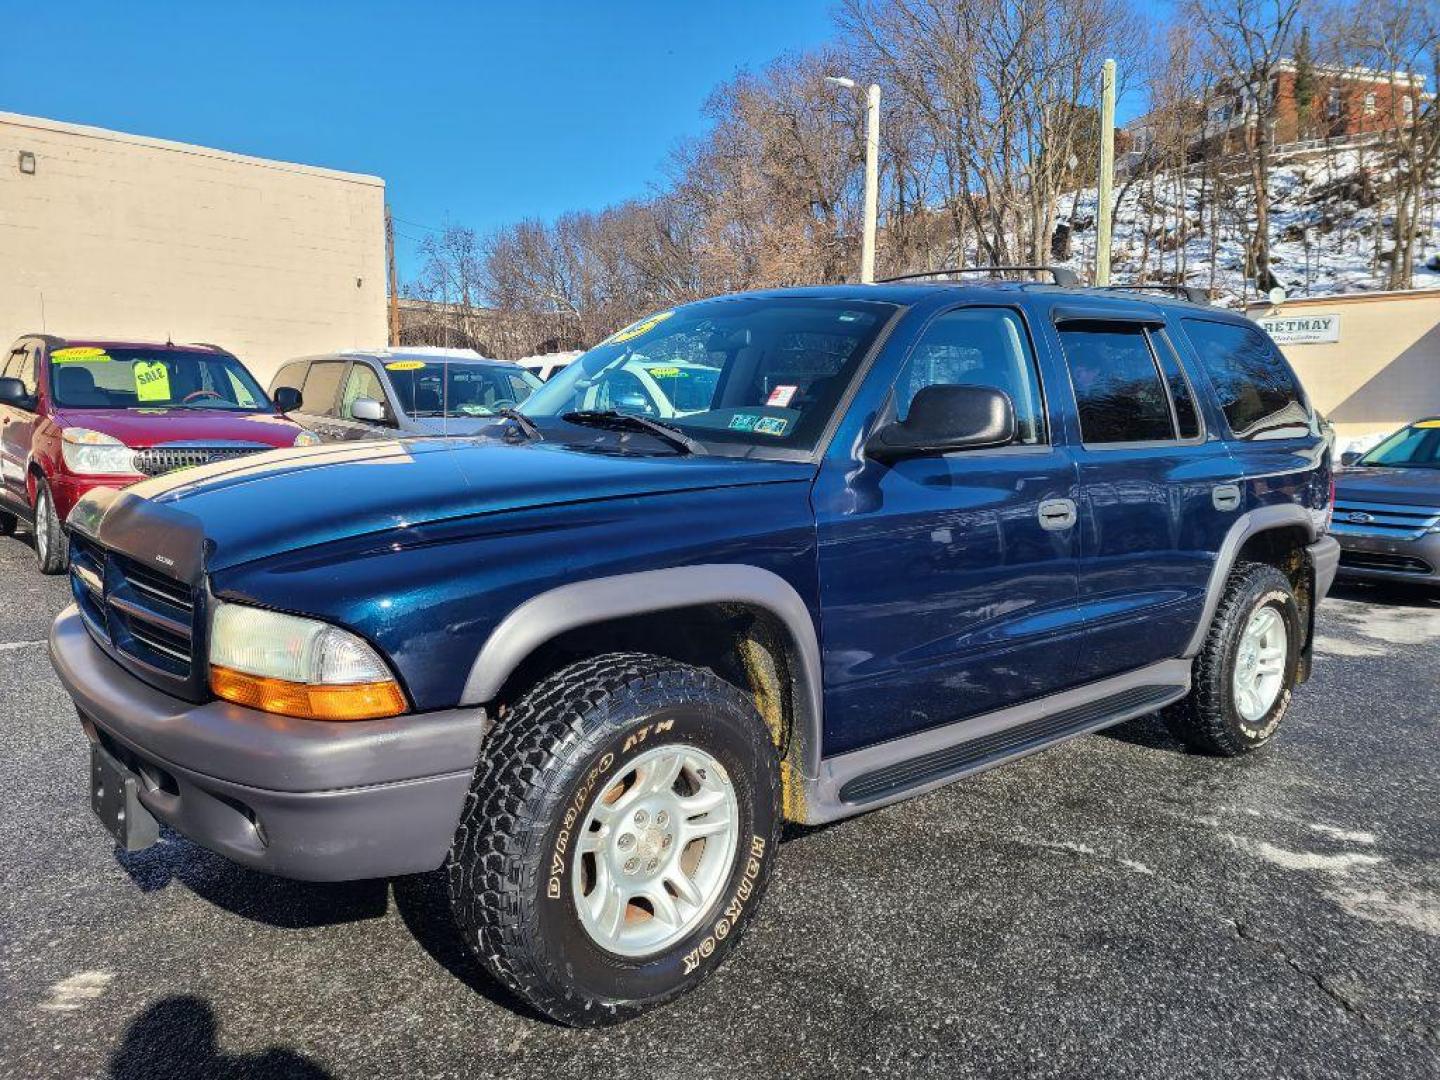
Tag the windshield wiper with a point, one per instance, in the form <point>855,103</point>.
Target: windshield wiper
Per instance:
<point>523,422</point>
<point>618,421</point>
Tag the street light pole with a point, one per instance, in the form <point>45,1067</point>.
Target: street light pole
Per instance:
<point>872,174</point>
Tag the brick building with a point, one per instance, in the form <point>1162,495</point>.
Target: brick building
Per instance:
<point>1343,103</point>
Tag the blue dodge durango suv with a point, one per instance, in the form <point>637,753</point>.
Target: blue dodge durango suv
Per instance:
<point>589,659</point>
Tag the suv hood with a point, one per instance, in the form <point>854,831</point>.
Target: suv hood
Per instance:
<point>1374,483</point>
<point>259,506</point>
<point>149,427</point>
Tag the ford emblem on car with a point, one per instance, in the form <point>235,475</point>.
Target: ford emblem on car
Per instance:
<point>1359,517</point>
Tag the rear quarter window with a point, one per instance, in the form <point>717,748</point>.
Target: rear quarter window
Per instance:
<point>1258,393</point>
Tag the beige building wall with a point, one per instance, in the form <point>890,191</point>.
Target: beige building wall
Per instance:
<point>1385,368</point>
<point>116,235</point>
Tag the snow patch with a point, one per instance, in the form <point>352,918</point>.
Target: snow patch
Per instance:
<point>1348,835</point>
<point>1412,908</point>
<point>75,991</point>
<point>1341,647</point>
<point>1342,863</point>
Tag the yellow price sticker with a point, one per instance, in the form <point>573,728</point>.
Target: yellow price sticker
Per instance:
<point>405,365</point>
<point>152,380</point>
<point>636,329</point>
<point>664,372</point>
<point>77,354</point>
<point>1428,424</point>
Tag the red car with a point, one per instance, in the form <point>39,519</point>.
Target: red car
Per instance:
<point>81,414</point>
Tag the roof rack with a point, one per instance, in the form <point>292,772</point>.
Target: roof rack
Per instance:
<point>1192,293</point>
<point>1064,277</point>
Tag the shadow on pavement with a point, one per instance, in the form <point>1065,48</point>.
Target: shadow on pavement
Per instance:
<point>1148,731</point>
<point>176,1039</point>
<point>1395,594</point>
<point>261,898</point>
<point>423,903</point>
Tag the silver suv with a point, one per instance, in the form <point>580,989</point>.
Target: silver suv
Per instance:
<point>381,393</point>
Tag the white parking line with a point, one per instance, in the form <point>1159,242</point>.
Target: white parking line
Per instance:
<point>8,646</point>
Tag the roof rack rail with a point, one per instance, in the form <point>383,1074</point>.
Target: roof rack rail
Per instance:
<point>210,345</point>
<point>1064,276</point>
<point>1192,293</point>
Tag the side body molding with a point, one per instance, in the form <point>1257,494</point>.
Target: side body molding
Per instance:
<point>581,603</point>
<point>1281,515</point>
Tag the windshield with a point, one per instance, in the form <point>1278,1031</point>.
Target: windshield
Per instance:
<point>765,371</point>
<point>91,377</point>
<point>1413,447</point>
<point>454,388</point>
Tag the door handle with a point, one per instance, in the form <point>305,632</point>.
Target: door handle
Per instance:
<point>1226,497</point>
<point>1057,515</point>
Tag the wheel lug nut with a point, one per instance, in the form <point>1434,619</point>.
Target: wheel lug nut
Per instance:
<point>662,819</point>
<point>641,817</point>
<point>665,840</point>
<point>626,842</point>
<point>631,865</point>
<point>652,864</point>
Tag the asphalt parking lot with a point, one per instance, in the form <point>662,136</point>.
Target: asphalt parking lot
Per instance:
<point>1113,907</point>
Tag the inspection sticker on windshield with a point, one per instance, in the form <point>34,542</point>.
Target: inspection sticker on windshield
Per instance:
<point>1428,424</point>
<point>772,425</point>
<point>665,372</point>
<point>635,329</point>
<point>744,422</point>
<point>405,365</point>
<point>781,396</point>
<point>152,380</point>
<point>79,354</point>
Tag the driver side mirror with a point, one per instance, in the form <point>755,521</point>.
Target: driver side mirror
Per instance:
<point>947,417</point>
<point>1350,457</point>
<point>13,392</point>
<point>368,409</point>
<point>286,398</point>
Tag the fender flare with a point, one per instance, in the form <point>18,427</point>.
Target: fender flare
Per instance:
<point>583,603</point>
<point>1251,523</point>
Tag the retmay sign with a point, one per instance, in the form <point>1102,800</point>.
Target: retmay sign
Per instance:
<point>1301,329</point>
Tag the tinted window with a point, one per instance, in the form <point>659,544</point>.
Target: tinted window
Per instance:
<point>977,347</point>
<point>1415,447</point>
<point>1186,418</point>
<point>1257,390</point>
<point>1117,386</point>
<point>322,388</point>
<point>11,366</point>
<point>455,387</point>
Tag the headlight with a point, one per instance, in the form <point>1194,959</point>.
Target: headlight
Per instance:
<point>308,438</point>
<point>297,667</point>
<point>93,453</point>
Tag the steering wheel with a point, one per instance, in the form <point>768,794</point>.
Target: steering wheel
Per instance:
<point>501,403</point>
<point>197,394</point>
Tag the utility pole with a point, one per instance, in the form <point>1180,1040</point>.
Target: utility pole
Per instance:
<point>1107,173</point>
<point>394,311</point>
<point>872,174</point>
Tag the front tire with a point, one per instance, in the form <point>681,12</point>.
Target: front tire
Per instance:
<point>52,549</point>
<point>1247,669</point>
<point>617,838</point>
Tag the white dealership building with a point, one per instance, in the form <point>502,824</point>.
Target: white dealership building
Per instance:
<point>104,234</point>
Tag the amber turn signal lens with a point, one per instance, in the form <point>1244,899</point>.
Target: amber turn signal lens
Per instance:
<point>355,701</point>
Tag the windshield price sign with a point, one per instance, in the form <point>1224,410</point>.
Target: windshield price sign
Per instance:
<point>1301,329</point>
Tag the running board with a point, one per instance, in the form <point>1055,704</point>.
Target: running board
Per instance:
<point>878,775</point>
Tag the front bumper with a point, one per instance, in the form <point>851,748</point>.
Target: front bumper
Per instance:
<point>319,801</point>
<point>67,490</point>
<point>1371,557</point>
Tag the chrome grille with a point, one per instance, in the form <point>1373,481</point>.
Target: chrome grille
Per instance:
<point>1393,521</point>
<point>158,460</point>
<point>144,620</point>
<point>1380,560</point>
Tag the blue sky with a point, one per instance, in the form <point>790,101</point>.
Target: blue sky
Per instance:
<point>481,112</point>
<point>478,113</point>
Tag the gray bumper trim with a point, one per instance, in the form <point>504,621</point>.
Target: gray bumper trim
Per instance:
<point>1325,558</point>
<point>316,801</point>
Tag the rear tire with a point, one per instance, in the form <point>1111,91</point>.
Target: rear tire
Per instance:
<point>52,548</point>
<point>1246,670</point>
<point>563,873</point>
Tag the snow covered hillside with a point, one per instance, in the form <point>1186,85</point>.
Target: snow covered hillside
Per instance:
<point>1324,198</point>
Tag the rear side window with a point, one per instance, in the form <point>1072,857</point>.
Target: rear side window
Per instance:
<point>1117,385</point>
<point>1187,420</point>
<point>322,388</point>
<point>1259,394</point>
